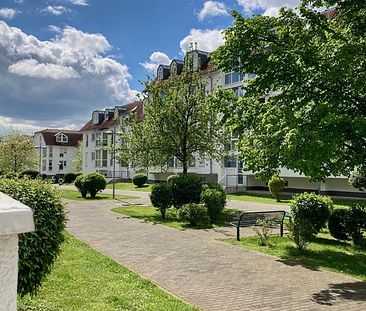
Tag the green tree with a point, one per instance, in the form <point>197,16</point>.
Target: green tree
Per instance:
<point>17,152</point>
<point>306,108</point>
<point>180,122</point>
<point>78,161</point>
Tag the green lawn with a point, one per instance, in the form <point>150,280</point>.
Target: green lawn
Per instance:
<point>130,186</point>
<point>325,252</point>
<point>286,198</point>
<point>150,214</point>
<point>75,195</point>
<point>84,279</point>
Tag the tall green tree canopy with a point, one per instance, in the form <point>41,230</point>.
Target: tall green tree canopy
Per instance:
<point>17,152</point>
<point>179,122</point>
<point>311,69</point>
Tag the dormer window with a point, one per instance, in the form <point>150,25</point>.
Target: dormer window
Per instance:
<point>61,138</point>
<point>195,60</point>
<point>95,117</point>
<point>116,112</point>
<point>106,115</point>
<point>161,73</point>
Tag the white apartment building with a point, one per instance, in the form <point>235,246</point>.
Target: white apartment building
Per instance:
<point>98,135</point>
<point>56,150</point>
<point>230,173</point>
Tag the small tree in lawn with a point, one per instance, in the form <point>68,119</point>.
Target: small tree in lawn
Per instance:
<point>161,197</point>
<point>78,161</point>
<point>276,186</point>
<point>93,182</point>
<point>180,121</point>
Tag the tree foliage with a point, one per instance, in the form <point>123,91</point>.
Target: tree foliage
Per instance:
<point>78,161</point>
<point>311,70</point>
<point>17,152</point>
<point>179,122</point>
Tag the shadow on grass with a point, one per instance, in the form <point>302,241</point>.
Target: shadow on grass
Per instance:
<point>355,291</point>
<point>285,198</point>
<point>346,259</point>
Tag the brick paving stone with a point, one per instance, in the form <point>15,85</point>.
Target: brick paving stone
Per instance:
<point>207,273</point>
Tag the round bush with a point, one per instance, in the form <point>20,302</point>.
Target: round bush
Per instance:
<point>312,208</point>
<point>39,249</point>
<point>93,182</point>
<point>186,189</point>
<point>214,201</point>
<point>139,179</point>
<point>276,186</point>
<point>171,177</point>
<point>69,178</point>
<point>358,178</point>
<point>193,213</point>
<point>337,224</point>
<point>32,174</point>
<point>214,185</point>
<point>161,197</point>
<point>356,223</point>
<point>79,183</point>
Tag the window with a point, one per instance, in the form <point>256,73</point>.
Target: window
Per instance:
<point>86,159</point>
<point>251,75</point>
<point>93,137</point>
<point>195,60</point>
<point>161,73</point>
<point>170,162</point>
<point>50,152</point>
<point>105,139</point>
<point>233,77</point>
<point>97,139</point>
<point>44,164</point>
<point>62,138</point>
<point>93,156</point>
<point>63,152</point>
<point>61,155</point>
<point>101,158</point>
<point>50,165</point>
<point>239,91</point>
<point>86,140</point>
<point>230,161</point>
<point>44,152</point>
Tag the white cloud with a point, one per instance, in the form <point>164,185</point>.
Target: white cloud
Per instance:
<point>207,40</point>
<point>54,28</point>
<point>271,7</point>
<point>58,82</point>
<point>156,59</point>
<point>7,13</point>
<point>212,8</point>
<point>31,68</point>
<point>79,2</point>
<point>56,9</point>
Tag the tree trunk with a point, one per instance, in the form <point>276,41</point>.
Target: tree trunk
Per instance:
<point>185,168</point>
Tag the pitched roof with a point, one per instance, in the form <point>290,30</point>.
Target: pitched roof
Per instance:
<point>49,136</point>
<point>134,107</point>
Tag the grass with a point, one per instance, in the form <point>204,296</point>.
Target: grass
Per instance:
<point>285,199</point>
<point>149,213</point>
<point>84,279</point>
<point>130,187</point>
<point>325,252</point>
<point>75,195</point>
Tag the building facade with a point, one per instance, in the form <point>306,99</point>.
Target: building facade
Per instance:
<point>56,150</point>
<point>98,136</point>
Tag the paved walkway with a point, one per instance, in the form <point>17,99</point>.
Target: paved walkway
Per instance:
<point>208,273</point>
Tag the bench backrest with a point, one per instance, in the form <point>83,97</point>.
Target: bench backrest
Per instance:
<point>251,218</point>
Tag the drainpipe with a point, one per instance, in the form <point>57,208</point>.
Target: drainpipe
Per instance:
<point>211,90</point>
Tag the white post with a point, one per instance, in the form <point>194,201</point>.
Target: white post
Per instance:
<point>15,218</point>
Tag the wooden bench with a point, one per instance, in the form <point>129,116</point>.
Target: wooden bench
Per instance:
<point>249,219</point>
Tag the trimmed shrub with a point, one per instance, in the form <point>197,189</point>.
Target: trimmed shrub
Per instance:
<point>93,183</point>
<point>214,201</point>
<point>337,224</point>
<point>186,189</point>
<point>358,178</point>
<point>310,213</point>
<point>9,175</point>
<point>171,177</point>
<point>193,213</point>
<point>276,186</point>
<point>32,174</point>
<point>214,185</point>
<point>69,178</point>
<point>39,249</point>
<point>79,184</point>
<point>139,179</point>
<point>161,197</point>
<point>356,223</point>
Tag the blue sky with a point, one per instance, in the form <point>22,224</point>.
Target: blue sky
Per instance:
<point>60,59</point>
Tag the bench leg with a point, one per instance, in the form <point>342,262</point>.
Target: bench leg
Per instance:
<point>281,230</point>
<point>238,233</point>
